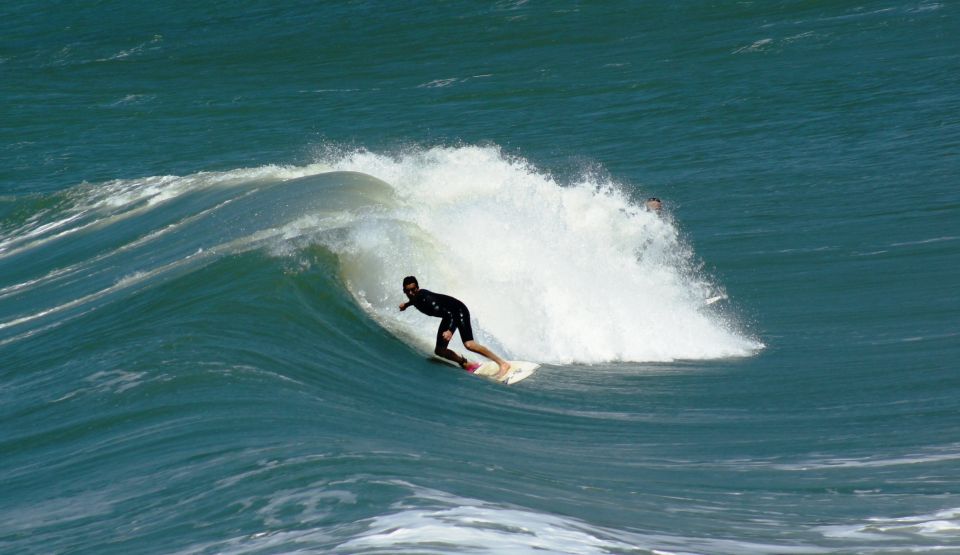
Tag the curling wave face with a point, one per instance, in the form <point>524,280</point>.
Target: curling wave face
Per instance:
<point>554,272</point>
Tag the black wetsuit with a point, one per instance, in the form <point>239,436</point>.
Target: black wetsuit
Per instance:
<point>453,314</point>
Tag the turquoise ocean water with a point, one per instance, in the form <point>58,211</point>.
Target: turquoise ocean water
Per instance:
<point>206,211</point>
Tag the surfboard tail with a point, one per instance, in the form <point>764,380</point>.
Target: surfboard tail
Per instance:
<point>519,370</point>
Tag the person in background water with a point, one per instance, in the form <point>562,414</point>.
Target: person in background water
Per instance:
<point>654,204</point>
<point>454,315</point>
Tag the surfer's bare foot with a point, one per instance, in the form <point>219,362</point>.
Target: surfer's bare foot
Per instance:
<point>504,368</point>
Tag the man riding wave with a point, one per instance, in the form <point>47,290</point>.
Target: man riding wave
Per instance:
<point>454,316</point>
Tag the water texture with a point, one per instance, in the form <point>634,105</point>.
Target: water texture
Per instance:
<point>206,212</point>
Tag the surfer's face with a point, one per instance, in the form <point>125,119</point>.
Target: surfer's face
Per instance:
<point>411,290</point>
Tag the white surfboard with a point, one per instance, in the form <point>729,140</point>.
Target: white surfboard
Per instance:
<point>714,299</point>
<point>519,370</point>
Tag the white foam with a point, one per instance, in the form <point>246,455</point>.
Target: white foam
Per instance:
<point>425,520</point>
<point>478,528</point>
<point>116,381</point>
<point>757,46</point>
<point>554,272</point>
<point>941,525</point>
<point>123,54</point>
<point>946,453</point>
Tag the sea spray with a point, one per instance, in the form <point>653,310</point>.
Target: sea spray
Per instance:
<point>554,272</point>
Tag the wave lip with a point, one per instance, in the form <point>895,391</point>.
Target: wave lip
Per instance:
<point>98,244</point>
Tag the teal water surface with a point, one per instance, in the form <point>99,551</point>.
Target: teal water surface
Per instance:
<point>206,212</point>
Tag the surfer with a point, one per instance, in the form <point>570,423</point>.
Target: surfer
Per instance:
<point>453,314</point>
<point>654,204</point>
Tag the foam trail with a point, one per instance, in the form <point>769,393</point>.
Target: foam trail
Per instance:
<point>573,272</point>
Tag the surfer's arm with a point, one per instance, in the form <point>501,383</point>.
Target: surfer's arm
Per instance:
<point>404,306</point>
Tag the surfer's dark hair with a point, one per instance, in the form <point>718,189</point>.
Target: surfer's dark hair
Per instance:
<point>410,279</point>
